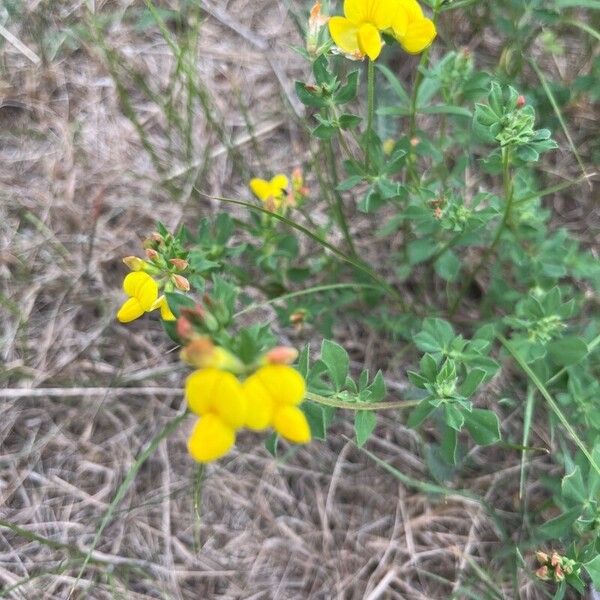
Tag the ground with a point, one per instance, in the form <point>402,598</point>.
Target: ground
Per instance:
<point>79,190</point>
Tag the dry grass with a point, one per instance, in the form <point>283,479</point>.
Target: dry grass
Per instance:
<point>77,192</point>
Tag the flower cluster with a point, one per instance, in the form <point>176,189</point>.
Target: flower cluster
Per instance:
<point>358,33</point>
<point>161,269</point>
<point>555,567</point>
<point>269,397</point>
<point>277,192</point>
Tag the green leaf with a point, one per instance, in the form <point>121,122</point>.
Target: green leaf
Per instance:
<point>567,351</point>
<point>420,413</point>
<point>472,382</point>
<point>573,486</point>
<point>309,96</point>
<point>447,266</point>
<point>337,362</point>
<point>377,388</point>
<point>324,132</point>
<point>178,301</point>
<point>593,569</point>
<point>348,91</point>
<point>483,425</point>
<point>454,417</point>
<point>348,121</point>
<point>449,445</point>
<point>271,444</point>
<point>559,526</point>
<point>395,84</point>
<point>364,424</point>
<point>349,183</point>
<point>317,419</point>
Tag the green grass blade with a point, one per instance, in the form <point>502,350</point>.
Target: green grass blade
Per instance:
<point>551,402</point>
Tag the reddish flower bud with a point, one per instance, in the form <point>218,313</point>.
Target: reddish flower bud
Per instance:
<point>281,355</point>
<point>542,573</point>
<point>521,101</point>
<point>184,328</point>
<point>542,557</point>
<point>181,283</point>
<point>179,263</point>
<point>151,254</point>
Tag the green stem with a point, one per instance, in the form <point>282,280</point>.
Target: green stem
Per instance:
<point>338,206</point>
<point>327,401</point>
<point>508,202</point>
<point>370,110</point>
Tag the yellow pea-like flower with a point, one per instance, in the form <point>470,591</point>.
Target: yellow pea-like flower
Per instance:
<point>273,394</point>
<point>289,422</point>
<point>212,391</point>
<point>211,438</point>
<point>357,33</point>
<point>143,293</point>
<point>143,297</point>
<point>271,192</point>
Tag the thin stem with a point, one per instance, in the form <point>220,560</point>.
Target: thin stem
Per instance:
<point>338,206</point>
<point>327,401</point>
<point>370,110</point>
<point>508,201</point>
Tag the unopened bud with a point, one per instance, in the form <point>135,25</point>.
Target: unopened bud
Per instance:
<point>388,146</point>
<point>297,318</point>
<point>542,573</point>
<point>541,557</point>
<point>181,283</point>
<point>555,559</point>
<point>203,354</point>
<point>281,355</point>
<point>521,101</point>
<point>156,237</point>
<point>179,263</point>
<point>185,329</point>
<point>415,142</point>
<point>558,573</point>
<point>151,254</point>
<point>134,263</point>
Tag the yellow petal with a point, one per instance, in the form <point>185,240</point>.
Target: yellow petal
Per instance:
<point>141,286</point>
<point>218,392</point>
<point>289,422</point>
<point>413,10</point>
<point>400,22</point>
<point>130,310</point>
<point>356,10</point>
<point>381,13</point>
<point>211,439</point>
<point>283,384</point>
<point>166,314</point>
<point>419,36</point>
<point>259,409</point>
<point>260,188</point>
<point>279,185</point>
<point>344,34</point>
<point>369,40</point>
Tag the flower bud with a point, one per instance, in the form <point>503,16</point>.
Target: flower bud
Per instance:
<point>542,557</point>
<point>555,559</point>
<point>414,142</point>
<point>542,573</point>
<point>388,146</point>
<point>280,355</point>
<point>185,330</point>
<point>156,237</point>
<point>181,283</point>
<point>151,254</point>
<point>558,573</point>
<point>521,101</point>
<point>134,263</point>
<point>179,263</point>
<point>203,354</point>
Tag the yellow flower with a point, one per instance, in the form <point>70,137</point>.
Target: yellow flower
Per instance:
<point>357,33</point>
<point>413,31</point>
<point>143,297</point>
<point>143,293</point>
<point>270,192</point>
<point>273,394</point>
<point>217,397</point>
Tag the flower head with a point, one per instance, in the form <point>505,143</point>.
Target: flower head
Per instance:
<point>143,297</point>
<point>270,192</point>
<point>217,397</point>
<point>358,32</point>
<point>273,394</point>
